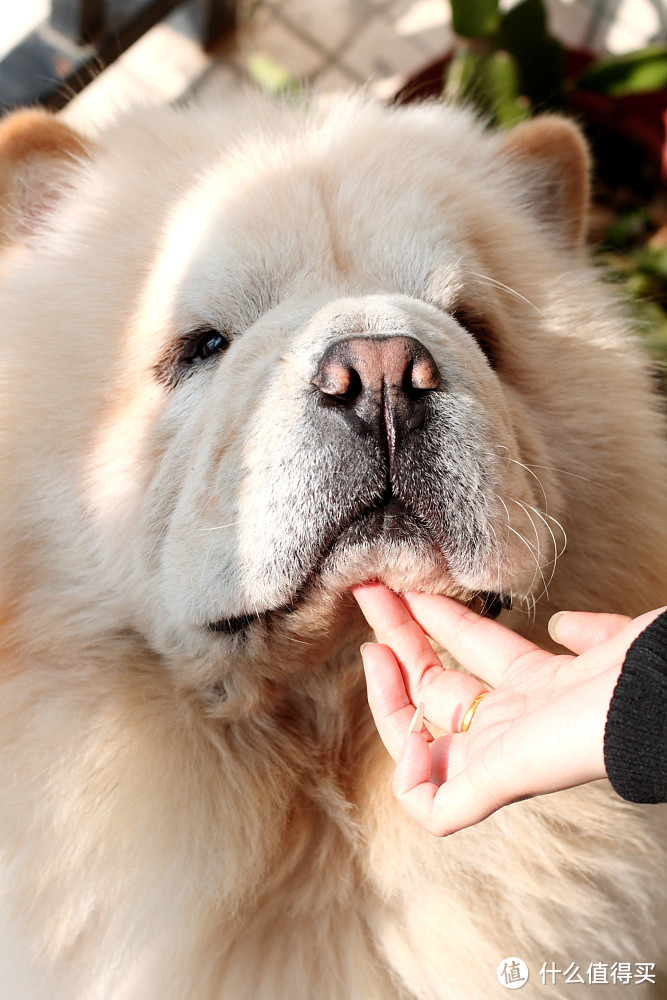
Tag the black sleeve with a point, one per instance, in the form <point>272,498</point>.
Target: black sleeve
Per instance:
<point>635,739</point>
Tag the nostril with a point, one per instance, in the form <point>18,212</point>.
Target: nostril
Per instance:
<point>354,387</point>
<point>338,382</point>
<point>421,376</point>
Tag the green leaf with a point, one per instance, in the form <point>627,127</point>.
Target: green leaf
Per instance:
<point>465,79</point>
<point>509,113</point>
<point>540,57</point>
<point>642,275</point>
<point>502,75</point>
<point>652,326</point>
<point>627,228</point>
<point>641,285</point>
<point>475,18</point>
<point>502,86</point>
<point>542,73</point>
<point>653,262</point>
<point>490,82</point>
<point>632,73</point>
<point>524,25</point>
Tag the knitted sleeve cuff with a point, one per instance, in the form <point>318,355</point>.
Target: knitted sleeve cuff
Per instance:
<point>635,738</point>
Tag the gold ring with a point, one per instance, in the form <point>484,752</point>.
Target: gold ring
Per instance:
<point>470,714</point>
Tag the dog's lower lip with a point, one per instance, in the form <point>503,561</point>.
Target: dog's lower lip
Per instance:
<point>230,626</point>
<point>371,520</point>
<point>239,624</point>
<point>486,603</point>
<point>489,604</point>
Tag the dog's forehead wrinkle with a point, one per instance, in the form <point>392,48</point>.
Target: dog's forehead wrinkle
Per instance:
<point>308,196</point>
<point>218,269</point>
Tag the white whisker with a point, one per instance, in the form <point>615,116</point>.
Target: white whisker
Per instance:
<point>506,288</point>
<point>157,539</point>
<point>550,562</point>
<point>573,475</point>
<point>535,552</point>
<point>220,527</point>
<point>535,477</point>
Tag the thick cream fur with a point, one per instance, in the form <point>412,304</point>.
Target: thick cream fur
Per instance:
<point>187,816</point>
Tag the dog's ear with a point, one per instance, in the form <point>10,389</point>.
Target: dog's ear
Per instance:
<point>553,156</point>
<point>37,157</point>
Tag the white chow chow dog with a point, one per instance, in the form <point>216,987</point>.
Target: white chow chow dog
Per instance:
<point>249,358</point>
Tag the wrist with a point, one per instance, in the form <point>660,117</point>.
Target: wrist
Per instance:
<point>595,698</point>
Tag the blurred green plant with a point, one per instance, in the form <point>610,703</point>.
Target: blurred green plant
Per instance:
<point>633,73</point>
<point>509,65</point>
<point>641,270</point>
<point>271,75</point>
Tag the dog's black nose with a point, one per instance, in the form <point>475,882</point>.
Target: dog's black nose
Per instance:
<point>379,384</point>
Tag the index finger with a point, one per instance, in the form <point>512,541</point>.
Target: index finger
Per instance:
<point>395,627</point>
<point>446,694</point>
<point>484,647</point>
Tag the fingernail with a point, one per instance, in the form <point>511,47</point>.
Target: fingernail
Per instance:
<point>364,646</point>
<point>416,723</point>
<point>553,624</point>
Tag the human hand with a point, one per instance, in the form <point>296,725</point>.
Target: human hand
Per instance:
<point>540,728</point>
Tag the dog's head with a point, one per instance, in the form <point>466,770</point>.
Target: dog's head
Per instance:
<point>288,350</point>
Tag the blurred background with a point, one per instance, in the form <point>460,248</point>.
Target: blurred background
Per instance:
<point>603,61</point>
<point>339,43</point>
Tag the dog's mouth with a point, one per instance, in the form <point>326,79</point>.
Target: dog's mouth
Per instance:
<point>389,520</point>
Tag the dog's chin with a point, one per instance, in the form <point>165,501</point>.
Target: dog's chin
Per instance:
<point>411,563</point>
<point>404,564</point>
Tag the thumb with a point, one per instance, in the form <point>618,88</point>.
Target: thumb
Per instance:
<point>580,630</point>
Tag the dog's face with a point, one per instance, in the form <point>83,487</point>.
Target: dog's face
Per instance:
<point>313,364</point>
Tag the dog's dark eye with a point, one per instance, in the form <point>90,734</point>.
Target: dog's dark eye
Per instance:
<point>480,329</point>
<point>209,343</point>
<point>189,353</point>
